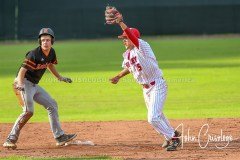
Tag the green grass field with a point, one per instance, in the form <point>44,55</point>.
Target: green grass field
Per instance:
<point>202,74</point>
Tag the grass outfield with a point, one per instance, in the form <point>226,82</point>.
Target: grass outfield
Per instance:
<point>202,75</point>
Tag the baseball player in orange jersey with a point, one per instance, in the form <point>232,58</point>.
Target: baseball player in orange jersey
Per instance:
<point>140,60</point>
<point>27,89</point>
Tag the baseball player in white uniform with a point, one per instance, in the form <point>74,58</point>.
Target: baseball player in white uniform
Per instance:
<point>140,60</point>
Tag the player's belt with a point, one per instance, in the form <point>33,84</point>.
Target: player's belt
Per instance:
<point>148,85</point>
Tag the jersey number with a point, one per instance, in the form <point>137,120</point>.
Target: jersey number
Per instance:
<point>139,67</point>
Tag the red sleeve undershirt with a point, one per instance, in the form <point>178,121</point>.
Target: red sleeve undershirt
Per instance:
<point>132,37</point>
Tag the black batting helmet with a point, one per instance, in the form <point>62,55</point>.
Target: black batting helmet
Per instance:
<point>46,31</point>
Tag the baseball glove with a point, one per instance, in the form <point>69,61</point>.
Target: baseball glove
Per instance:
<point>112,15</point>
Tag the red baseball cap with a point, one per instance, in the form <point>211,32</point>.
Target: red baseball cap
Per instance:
<point>134,31</point>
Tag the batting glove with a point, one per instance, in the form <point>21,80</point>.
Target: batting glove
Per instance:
<point>65,79</point>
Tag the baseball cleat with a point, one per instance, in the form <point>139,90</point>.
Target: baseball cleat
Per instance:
<point>64,139</point>
<point>9,145</point>
<point>176,142</point>
<point>166,143</point>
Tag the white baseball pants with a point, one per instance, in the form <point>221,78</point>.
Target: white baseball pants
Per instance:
<point>155,97</point>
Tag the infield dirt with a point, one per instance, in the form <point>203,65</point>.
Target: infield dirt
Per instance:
<point>202,139</point>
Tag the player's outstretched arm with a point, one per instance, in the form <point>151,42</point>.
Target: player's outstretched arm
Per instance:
<point>115,79</point>
<point>131,36</point>
<point>53,70</point>
<point>113,16</point>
